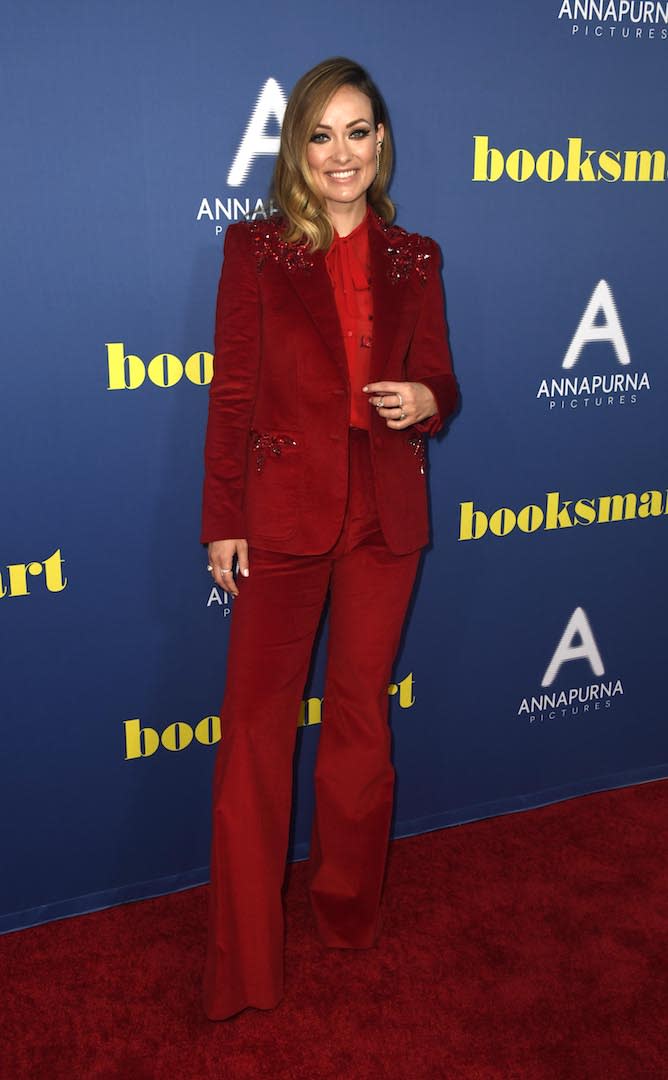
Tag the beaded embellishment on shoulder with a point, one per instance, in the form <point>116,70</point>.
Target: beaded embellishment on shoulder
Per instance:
<point>268,243</point>
<point>408,252</point>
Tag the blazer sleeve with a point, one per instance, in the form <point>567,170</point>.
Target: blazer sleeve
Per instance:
<point>232,391</point>
<point>429,359</point>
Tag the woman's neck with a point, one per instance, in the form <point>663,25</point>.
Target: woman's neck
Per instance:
<point>346,219</point>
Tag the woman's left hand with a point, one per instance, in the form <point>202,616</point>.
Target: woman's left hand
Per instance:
<point>401,404</point>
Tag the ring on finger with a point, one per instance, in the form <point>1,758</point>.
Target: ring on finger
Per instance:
<point>402,415</point>
<point>226,569</point>
<point>401,401</point>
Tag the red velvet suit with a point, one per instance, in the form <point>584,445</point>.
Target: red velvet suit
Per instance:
<point>281,371</point>
<point>326,509</point>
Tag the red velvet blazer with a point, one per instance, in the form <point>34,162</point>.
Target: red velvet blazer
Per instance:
<point>276,453</point>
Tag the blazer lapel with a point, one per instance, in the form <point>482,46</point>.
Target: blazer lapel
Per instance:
<point>313,286</point>
<point>387,300</point>
<point>315,290</point>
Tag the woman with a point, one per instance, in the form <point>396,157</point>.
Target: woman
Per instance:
<point>331,361</point>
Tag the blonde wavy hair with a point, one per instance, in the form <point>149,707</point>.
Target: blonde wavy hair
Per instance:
<point>292,190</point>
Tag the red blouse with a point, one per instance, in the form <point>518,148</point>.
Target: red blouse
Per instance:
<point>349,269</point>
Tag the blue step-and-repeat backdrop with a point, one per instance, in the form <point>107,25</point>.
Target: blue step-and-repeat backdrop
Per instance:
<point>532,145</point>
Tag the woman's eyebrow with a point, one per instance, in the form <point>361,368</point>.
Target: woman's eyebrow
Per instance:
<point>351,124</point>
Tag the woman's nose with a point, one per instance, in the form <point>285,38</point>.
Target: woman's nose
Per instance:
<point>341,152</point>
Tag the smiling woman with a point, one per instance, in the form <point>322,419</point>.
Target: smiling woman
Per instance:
<point>343,156</point>
<point>336,148</point>
<point>331,364</point>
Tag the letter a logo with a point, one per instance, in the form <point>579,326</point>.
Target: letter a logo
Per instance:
<point>566,650</point>
<point>610,329</point>
<point>271,102</point>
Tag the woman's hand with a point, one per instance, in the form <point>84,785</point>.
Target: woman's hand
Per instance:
<point>401,404</point>
<point>221,562</point>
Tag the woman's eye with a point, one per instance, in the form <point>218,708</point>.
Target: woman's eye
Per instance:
<point>322,136</point>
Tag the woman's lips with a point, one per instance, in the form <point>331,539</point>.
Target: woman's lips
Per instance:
<point>342,175</point>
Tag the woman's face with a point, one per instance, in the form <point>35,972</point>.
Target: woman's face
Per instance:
<point>341,152</point>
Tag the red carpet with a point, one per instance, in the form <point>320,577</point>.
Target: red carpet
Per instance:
<point>526,947</point>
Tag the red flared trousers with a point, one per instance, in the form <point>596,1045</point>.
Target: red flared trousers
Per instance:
<point>275,619</point>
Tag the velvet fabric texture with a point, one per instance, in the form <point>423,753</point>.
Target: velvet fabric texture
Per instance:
<point>275,619</point>
<point>279,407</point>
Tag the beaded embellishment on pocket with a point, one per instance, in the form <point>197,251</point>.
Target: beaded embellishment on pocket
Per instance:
<point>416,443</point>
<point>263,443</point>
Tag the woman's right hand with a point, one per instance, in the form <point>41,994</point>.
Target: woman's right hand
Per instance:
<point>221,560</point>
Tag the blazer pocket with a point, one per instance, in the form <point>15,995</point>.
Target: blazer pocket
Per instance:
<point>272,482</point>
